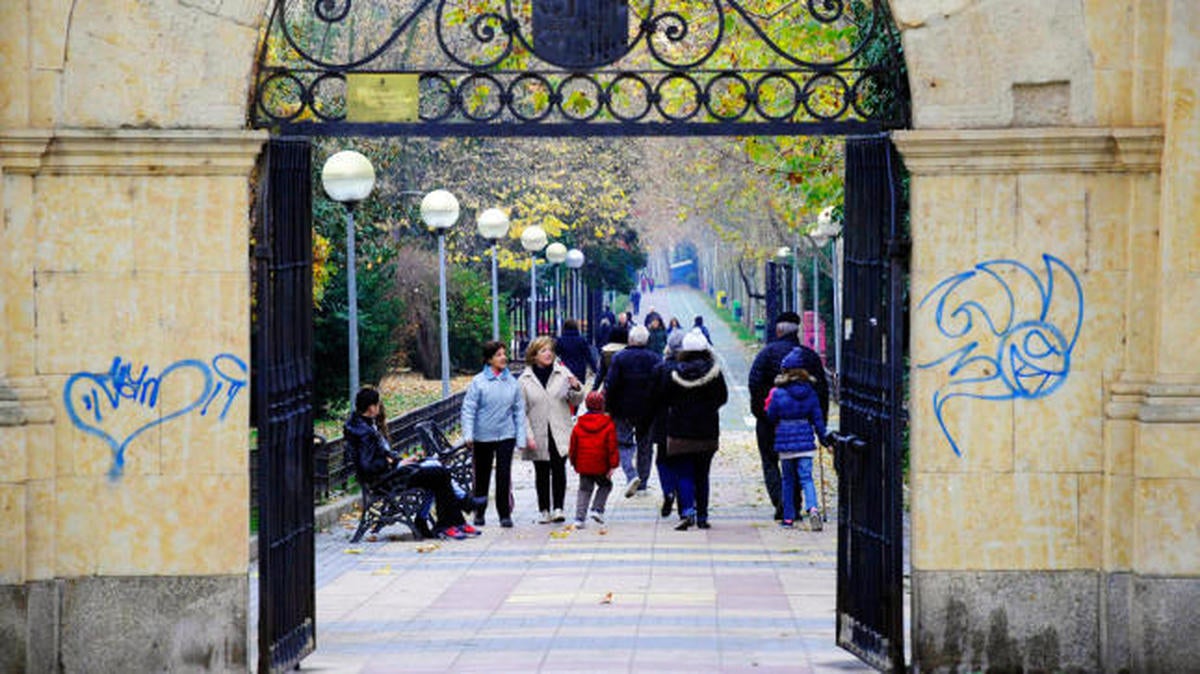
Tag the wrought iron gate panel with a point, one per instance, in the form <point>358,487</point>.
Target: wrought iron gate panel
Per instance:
<point>283,408</point>
<point>602,67</point>
<point>870,597</point>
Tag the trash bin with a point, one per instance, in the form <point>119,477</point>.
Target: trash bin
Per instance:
<point>737,310</point>
<point>760,329</point>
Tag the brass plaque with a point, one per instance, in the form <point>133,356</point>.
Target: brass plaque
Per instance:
<point>375,97</point>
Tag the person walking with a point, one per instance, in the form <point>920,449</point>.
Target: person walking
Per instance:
<point>698,324</point>
<point>692,390</point>
<point>493,424</point>
<point>376,463</point>
<point>793,407</point>
<point>593,455</point>
<point>763,370</point>
<point>658,427</point>
<point>658,334</point>
<point>575,351</point>
<point>616,342</point>
<point>551,392</point>
<point>627,392</point>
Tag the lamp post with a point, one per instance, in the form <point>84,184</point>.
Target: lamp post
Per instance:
<point>493,224</point>
<point>556,254</point>
<point>828,228</point>
<point>348,178</point>
<point>439,210</point>
<point>533,239</point>
<point>575,260</point>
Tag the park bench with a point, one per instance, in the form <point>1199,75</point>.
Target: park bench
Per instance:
<point>395,502</point>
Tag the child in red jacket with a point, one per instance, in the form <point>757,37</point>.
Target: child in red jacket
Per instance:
<point>594,456</point>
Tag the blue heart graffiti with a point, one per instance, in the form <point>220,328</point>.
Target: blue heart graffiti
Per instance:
<point>93,400</point>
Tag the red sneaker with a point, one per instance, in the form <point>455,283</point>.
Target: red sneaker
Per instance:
<point>452,532</point>
<point>470,530</point>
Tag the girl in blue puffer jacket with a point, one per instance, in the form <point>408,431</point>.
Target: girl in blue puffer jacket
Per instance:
<point>795,410</point>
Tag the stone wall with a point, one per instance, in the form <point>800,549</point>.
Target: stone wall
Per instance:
<point>1055,392</point>
<point>124,292</point>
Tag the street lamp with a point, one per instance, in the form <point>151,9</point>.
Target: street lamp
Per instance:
<point>348,178</point>
<point>439,210</point>
<point>574,262</point>
<point>533,239</point>
<point>828,228</point>
<point>556,254</point>
<point>493,224</point>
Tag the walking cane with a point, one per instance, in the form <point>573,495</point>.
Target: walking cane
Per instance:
<point>821,468</point>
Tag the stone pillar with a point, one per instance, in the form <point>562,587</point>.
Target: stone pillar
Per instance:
<point>123,405</point>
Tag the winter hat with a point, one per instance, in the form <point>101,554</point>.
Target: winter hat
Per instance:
<point>675,340</point>
<point>694,341</point>
<point>595,401</point>
<point>639,335</point>
<point>794,360</point>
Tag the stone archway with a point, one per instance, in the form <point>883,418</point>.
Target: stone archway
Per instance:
<point>1067,521</point>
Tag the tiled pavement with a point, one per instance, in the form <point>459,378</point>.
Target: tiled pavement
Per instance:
<point>633,596</point>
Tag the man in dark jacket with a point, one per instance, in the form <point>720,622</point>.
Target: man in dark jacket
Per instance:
<point>762,377</point>
<point>376,464</point>
<point>627,391</point>
<point>575,351</point>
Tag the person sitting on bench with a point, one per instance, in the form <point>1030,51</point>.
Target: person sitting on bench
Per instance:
<point>379,466</point>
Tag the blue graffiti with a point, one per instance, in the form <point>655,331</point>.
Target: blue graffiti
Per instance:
<point>1032,352</point>
<point>97,400</point>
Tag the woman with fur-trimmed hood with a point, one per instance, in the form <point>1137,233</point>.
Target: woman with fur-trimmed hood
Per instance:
<point>692,389</point>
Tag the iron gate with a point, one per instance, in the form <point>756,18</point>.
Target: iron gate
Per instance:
<point>870,597</point>
<point>283,408</point>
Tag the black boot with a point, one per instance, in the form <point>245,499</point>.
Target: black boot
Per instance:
<point>667,504</point>
<point>685,524</point>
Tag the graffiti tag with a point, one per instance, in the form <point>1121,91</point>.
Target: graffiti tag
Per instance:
<point>1012,332</point>
<point>121,404</point>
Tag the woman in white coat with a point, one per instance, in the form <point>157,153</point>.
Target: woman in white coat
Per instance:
<point>551,392</point>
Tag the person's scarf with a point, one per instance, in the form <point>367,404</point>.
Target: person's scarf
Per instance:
<point>543,373</point>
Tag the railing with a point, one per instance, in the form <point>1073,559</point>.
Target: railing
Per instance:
<point>330,471</point>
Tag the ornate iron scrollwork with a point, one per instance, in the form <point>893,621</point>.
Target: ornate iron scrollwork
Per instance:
<point>553,67</point>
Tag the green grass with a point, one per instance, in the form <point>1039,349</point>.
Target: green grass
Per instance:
<point>743,333</point>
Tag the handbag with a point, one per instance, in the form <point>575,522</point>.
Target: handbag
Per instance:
<point>678,446</point>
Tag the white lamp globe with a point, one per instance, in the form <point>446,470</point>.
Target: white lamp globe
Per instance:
<point>492,223</point>
<point>574,258</point>
<point>556,253</point>
<point>533,238</point>
<point>348,177</point>
<point>439,209</point>
<point>783,253</point>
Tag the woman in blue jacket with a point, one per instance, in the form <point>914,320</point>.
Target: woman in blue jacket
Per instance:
<point>493,423</point>
<point>795,410</point>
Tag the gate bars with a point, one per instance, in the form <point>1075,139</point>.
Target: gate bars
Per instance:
<point>870,594</point>
<point>281,389</point>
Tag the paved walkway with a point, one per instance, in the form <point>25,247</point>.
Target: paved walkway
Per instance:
<point>634,596</point>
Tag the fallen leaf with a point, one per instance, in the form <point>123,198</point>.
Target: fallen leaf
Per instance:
<point>428,547</point>
<point>606,599</point>
<point>353,551</point>
<point>385,571</point>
